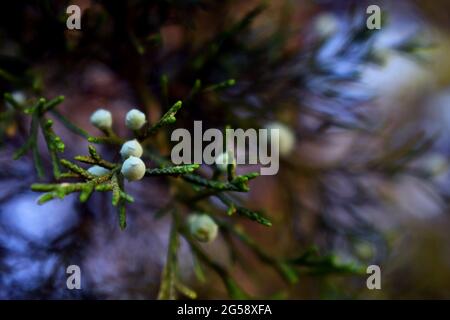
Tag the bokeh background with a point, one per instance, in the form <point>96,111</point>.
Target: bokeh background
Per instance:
<point>366,180</point>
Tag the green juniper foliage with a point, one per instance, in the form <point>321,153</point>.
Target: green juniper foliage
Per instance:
<point>112,181</point>
<point>232,77</point>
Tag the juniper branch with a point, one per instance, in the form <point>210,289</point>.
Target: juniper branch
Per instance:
<point>285,270</point>
<point>252,215</point>
<point>232,287</point>
<point>239,184</point>
<point>167,287</point>
<point>173,171</point>
<point>167,118</point>
<point>54,146</point>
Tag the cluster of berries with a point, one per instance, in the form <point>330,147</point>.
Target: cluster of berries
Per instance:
<point>133,168</point>
<point>201,226</point>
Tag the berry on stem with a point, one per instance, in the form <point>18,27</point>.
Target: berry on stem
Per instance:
<point>102,119</point>
<point>98,171</point>
<point>133,169</point>
<point>135,119</point>
<point>202,227</point>
<point>131,148</point>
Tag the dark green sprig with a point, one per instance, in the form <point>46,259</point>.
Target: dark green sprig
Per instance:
<point>61,190</point>
<point>220,86</point>
<point>50,105</point>
<point>109,187</point>
<point>118,200</point>
<point>239,183</point>
<point>77,169</point>
<point>167,290</point>
<point>122,215</point>
<point>170,281</point>
<point>173,171</point>
<point>167,118</point>
<point>232,287</point>
<point>319,265</point>
<point>32,143</point>
<point>101,162</point>
<point>94,158</point>
<point>252,215</point>
<point>213,184</point>
<point>54,142</point>
<point>54,146</point>
<point>108,139</point>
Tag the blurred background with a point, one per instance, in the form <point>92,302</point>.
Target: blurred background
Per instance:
<point>364,173</point>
